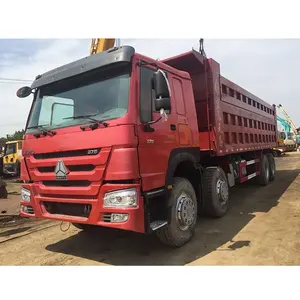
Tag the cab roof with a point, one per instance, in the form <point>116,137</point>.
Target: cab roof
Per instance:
<point>13,142</point>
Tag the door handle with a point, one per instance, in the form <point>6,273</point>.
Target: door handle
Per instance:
<point>173,127</point>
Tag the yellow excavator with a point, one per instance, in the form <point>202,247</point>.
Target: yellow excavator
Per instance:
<point>100,45</point>
<point>12,156</point>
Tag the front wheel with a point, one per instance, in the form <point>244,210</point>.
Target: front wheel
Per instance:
<point>183,216</point>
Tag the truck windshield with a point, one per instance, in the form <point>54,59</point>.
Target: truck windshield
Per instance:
<point>103,95</point>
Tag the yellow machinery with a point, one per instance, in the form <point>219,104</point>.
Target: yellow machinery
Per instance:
<point>281,149</point>
<point>100,45</point>
<point>11,158</point>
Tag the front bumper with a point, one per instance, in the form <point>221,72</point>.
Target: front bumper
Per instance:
<point>85,210</point>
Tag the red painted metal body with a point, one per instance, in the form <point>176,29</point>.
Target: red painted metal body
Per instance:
<point>116,162</point>
<point>207,116</point>
<point>244,164</point>
<point>230,119</point>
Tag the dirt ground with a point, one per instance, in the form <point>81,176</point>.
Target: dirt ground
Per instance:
<point>262,227</point>
<point>11,205</point>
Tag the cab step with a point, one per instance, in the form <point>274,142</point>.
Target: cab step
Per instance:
<point>157,224</point>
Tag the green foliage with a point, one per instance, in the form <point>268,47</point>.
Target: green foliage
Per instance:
<point>17,135</point>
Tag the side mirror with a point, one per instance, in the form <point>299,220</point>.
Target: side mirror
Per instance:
<point>162,91</point>
<point>24,92</point>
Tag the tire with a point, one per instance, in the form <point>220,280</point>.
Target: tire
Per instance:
<point>183,214</point>
<point>264,177</point>
<point>272,166</point>
<point>215,192</point>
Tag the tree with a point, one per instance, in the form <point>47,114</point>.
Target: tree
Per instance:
<point>17,135</point>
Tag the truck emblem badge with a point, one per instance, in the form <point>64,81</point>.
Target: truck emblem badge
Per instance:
<point>61,171</point>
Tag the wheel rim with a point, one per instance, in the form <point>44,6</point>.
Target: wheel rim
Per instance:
<point>185,212</point>
<point>222,191</point>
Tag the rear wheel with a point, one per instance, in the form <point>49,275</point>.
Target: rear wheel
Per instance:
<point>183,217</point>
<point>272,166</point>
<point>215,192</point>
<point>264,176</point>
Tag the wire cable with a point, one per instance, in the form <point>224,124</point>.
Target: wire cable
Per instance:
<point>15,79</point>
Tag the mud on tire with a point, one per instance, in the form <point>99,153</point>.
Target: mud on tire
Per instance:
<point>183,214</point>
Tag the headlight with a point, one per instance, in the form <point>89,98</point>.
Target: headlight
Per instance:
<point>123,198</point>
<point>25,195</point>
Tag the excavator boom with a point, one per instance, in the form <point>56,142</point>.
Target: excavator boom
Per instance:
<point>100,45</point>
<point>288,118</point>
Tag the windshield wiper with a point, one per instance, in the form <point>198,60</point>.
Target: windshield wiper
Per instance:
<point>95,123</point>
<point>43,130</point>
<point>80,117</point>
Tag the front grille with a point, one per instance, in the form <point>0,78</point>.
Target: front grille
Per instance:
<point>30,210</point>
<point>69,209</point>
<point>77,168</point>
<point>85,152</point>
<point>67,183</point>
<point>106,217</point>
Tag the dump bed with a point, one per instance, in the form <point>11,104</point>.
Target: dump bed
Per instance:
<point>230,119</point>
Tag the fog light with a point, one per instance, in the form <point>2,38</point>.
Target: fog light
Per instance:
<point>25,195</point>
<point>24,209</point>
<point>118,218</point>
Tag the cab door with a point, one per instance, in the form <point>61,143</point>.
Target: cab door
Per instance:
<point>157,140</point>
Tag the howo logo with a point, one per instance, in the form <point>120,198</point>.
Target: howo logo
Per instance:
<point>61,171</point>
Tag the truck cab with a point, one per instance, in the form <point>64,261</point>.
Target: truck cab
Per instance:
<point>100,136</point>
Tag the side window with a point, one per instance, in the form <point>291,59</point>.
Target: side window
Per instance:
<point>179,96</point>
<point>147,96</point>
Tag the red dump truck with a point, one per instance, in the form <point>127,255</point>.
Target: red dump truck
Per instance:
<point>121,140</point>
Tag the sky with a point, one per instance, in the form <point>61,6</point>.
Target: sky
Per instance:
<point>267,68</point>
